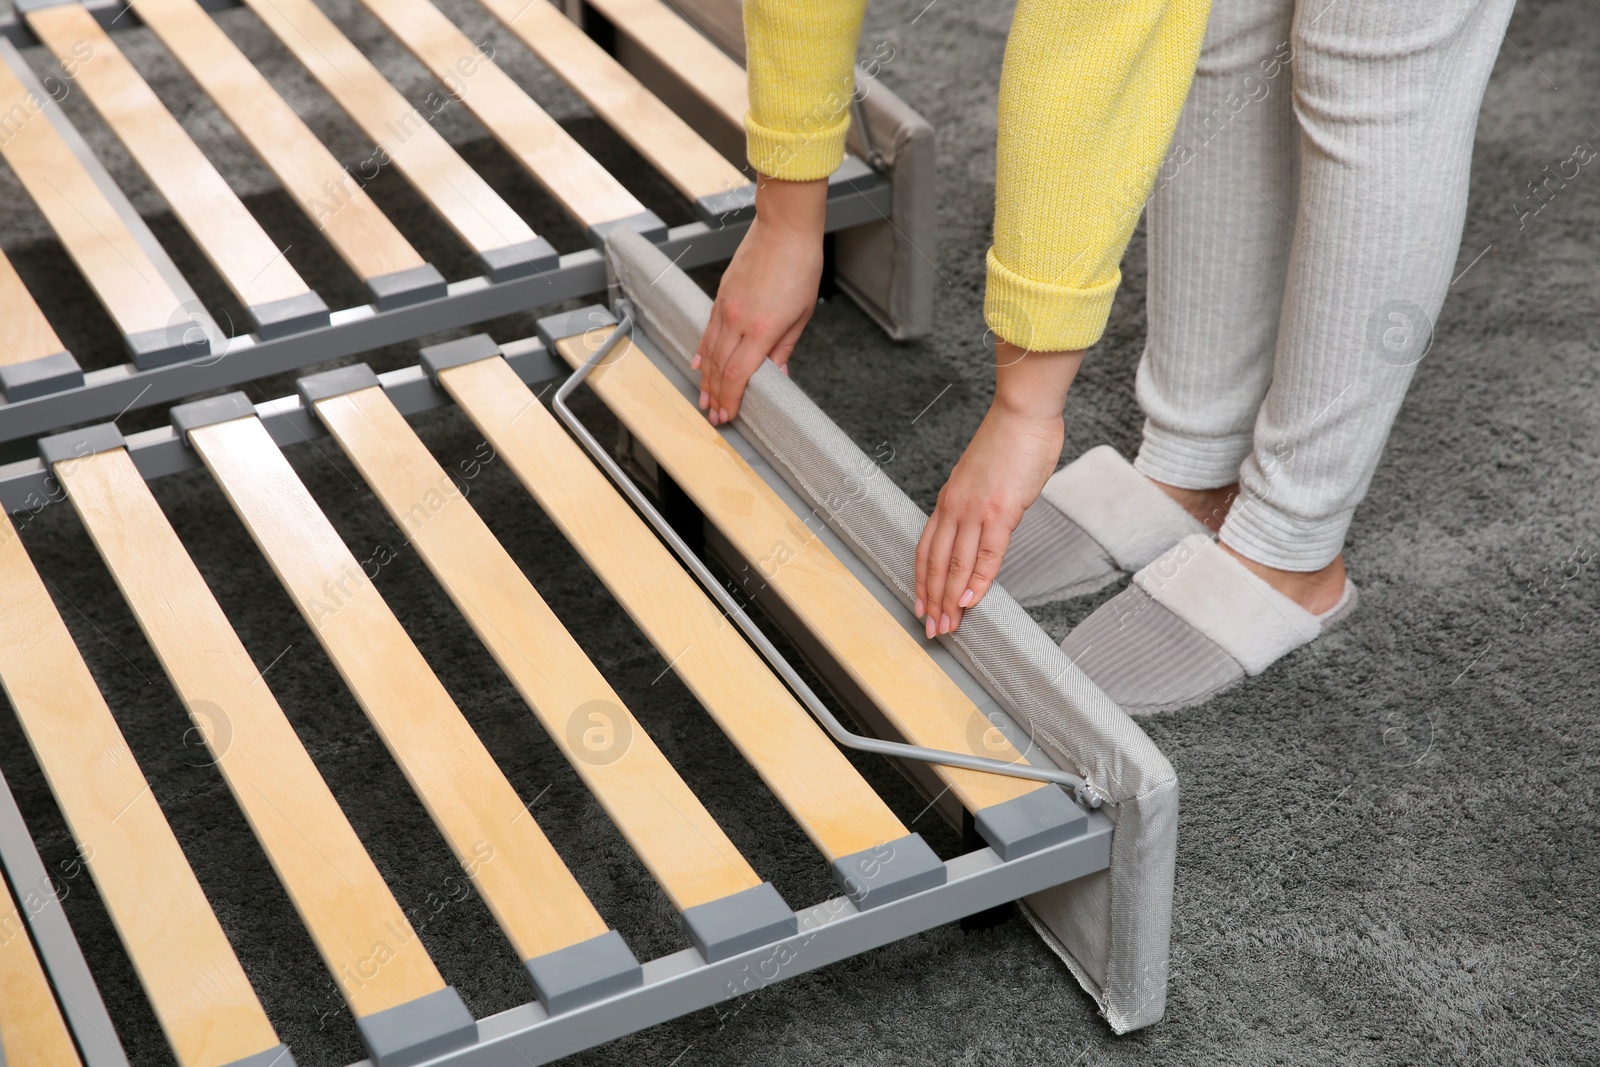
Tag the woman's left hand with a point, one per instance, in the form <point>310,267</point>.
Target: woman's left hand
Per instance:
<point>1001,472</point>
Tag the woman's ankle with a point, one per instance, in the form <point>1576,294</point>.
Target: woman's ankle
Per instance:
<point>1319,591</point>
<point>1208,506</point>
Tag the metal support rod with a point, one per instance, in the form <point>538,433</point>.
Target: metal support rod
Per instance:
<point>752,632</point>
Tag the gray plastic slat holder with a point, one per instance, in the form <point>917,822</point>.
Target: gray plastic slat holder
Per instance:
<point>727,207</point>
<point>292,314</point>
<point>406,287</point>
<point>738,922</point>
<point>875,876</point>
<point>336,382</point>
<point>1016,827</point>
<point>648,223</point>
<point>520,260</point>
<point>419,1029</point>
<point>186,418</point>
<point>37,377</point>
<point>458,353</point>
<point>169,344</point>
<point>75,444</point>
<point>553,328</point>
<point>581,974</point>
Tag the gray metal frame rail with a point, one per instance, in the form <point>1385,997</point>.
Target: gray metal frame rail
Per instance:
<point>673,985</point>
<point>53,939</point>
<point>107,393</point>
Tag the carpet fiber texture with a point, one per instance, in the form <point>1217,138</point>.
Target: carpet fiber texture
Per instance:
<point>1388,851</point>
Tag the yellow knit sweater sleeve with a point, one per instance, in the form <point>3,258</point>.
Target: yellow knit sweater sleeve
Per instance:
<point>1090,94</point>
<point>801,57</point>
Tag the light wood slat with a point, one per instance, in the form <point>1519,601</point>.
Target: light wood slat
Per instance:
<point>453,189</point>
<point>693,167</point>
<point>535,898</point>
<point>558,163</point>
<point>25,333</point>
<point>32,1032</point>
<point>802,766</point>
<point>230,237</point>
<point>671,41</point>
<point>888,663</point>
<point>362,236</point>
<point>340,896</point>
<point>662,820</point>
<point>189,972</point>
<point>128,284</point>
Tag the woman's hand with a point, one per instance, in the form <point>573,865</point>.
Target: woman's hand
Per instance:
<point>767,293</point>
<point>1001,472</point>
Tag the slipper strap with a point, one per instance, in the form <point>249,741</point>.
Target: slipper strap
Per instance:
<point>1119,507</point>
<point>1224,600</point>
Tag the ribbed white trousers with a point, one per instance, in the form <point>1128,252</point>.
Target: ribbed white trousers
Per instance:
<point>1302,234</point>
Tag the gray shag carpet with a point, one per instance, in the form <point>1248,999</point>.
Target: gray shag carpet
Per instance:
<point>1388,851</point>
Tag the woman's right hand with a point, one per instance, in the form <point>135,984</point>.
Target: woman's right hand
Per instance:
<point>767,293</point>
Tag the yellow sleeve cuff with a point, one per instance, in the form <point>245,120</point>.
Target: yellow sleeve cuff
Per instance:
<point>796,157</point>
<point>1043,316</point>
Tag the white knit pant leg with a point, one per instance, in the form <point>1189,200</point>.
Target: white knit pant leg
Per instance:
<point>1386,94</point>
<point>1219,250</point>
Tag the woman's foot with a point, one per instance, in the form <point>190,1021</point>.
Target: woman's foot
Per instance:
<point>1316,591</point>
<point>1208,506</point>
<point>1199,620</point>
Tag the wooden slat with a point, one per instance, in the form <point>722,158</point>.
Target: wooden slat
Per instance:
<point>128,284</point>
<point>329,196</point>
<point>889,664</point>
<point>32,1032</point>
<point>193,980</point>
<point>25,333</point>
<point>803,767</point>
<point>669,39</point>
<point>583,187</point>
<point>662,820</point>
<point>535,898</point>
<point>453,189</point>
<point>340,896</point>
<point>668,143</point>
<point>230,237</point>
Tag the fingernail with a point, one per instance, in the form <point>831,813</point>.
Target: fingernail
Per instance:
<point>930,627</point>
<point>705,399</point>
<point>723,412</point>
<point>785,369</point>
<point>944,624</point>
<point>966,599</point>
<point>711,417</point>
<point>916,608</point>
<point>694,364</point>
